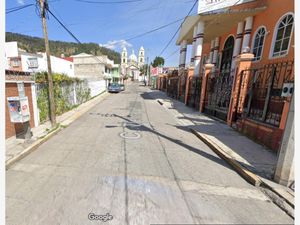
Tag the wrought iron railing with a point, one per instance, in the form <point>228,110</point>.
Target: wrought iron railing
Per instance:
<point>194,92</point>
<point>264,101</point>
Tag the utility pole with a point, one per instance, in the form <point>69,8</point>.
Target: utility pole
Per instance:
<point>44,6</point>
<point>147,71</point>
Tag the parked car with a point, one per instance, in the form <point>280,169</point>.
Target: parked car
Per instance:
<point>122,87</point>
<point>114,88</point>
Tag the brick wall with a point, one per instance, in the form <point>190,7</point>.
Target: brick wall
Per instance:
<point>266,135</point>
<point>11,89</point>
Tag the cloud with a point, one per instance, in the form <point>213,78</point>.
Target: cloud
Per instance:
<point>21,2</point>
<point>116,44</point>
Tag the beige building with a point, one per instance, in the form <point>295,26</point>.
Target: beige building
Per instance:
<point>91,67</point>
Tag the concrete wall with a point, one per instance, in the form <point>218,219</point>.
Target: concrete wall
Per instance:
<point>97,87</point>
<point>90,67</point>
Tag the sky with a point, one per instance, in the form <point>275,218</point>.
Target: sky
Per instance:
<point>108,24</point>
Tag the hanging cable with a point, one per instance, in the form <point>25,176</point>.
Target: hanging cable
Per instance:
<point>15,9</point>
<point>178,29</point>
<point>110,2</point>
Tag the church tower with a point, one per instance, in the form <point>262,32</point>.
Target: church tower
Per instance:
<point>141,61</point>
<point>124,56</point>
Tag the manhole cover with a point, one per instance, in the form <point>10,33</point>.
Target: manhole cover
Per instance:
<point>130,135</point>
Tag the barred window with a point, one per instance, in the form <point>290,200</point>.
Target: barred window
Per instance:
<point>258,43</point>
<point>283,35</point>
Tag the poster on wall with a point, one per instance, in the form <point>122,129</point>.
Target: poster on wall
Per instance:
<point>206,6</point>
<point>18,108</point>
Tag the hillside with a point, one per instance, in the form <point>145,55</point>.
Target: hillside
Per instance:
<point>35,44</point>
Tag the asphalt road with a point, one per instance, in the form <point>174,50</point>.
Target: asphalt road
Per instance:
<point>130,159</point>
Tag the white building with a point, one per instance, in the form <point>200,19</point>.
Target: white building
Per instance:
<point>18,59</point>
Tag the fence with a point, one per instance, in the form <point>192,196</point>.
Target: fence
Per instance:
<point>67,95</point>
<point>218,93</point>
<point>264,101</point>
<point>173,86</point>
<point>194,92</point>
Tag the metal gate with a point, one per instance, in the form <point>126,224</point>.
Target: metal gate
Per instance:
<point>182,87</point>
<point>172,87</point>
<point>218,94</point>
<point>265,99</point>
<point>194,92</point>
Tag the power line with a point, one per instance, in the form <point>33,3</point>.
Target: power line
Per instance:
<point>153,30</point>
<point>110,2</point>
<point>18,8</point>
<point>178,29</point>
<point>76,39</point>
<point>169,56</point>
<point>64,26</point>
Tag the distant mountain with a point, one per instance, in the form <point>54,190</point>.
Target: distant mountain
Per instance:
<point>35,44</point>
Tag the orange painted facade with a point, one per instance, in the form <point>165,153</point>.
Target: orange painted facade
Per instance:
<point>267,128</point>
<point>268,18</point>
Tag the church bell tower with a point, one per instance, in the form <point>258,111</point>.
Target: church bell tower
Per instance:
<point>141,59</point>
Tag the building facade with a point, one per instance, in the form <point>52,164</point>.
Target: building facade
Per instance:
<point>20,60</point>
<point>242,60</point>
<point>131,66</point>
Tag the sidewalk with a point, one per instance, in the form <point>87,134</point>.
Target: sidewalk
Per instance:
<point>15,147</point>
<point>250,155</point>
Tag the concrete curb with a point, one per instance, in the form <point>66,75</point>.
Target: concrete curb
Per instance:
<point>36,144</point>
<point>30,149</point>
<point>250,177</point>
<point>277,198</point>
<point>246,174</point>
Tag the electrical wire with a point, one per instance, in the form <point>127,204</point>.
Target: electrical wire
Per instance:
<point>64,26</point>
<point>15,9</point>
<point>153,30</point>
<point>110,2</point>
<point>178,29</point>
<point>75,38</point>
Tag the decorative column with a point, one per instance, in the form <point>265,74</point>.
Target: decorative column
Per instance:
<point>237,44</point>
<point>193,48</point>
<point>208,68</point>
<point>238,93</point>
<point>216,50</point>
<point>247,32</point>
<point>183,48</point>
<point>211,54</point>
<point>198,48</point>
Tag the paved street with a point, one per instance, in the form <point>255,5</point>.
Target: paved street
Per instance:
<point>130,157</point>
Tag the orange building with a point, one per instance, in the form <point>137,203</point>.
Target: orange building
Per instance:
<point>243,56</point>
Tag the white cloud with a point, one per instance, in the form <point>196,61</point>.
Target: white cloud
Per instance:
<point>116,44</point>
<point>21,2</point>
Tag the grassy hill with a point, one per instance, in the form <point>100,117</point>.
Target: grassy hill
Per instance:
<point>35,44</point>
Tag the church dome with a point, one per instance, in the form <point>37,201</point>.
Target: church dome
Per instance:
<point>133,57</point>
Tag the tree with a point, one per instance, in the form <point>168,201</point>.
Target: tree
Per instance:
<point>158,61</point>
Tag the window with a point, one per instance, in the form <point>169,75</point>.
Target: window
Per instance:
<point>141,60</point>
<point>32,63</point>
<point>258,43</point>
<point>15,62</point>
<point>283,36</point>
<point>123,60</point>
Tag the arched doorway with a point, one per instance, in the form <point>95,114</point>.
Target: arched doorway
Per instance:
<point>219,84</point>
<point>227,55</point>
